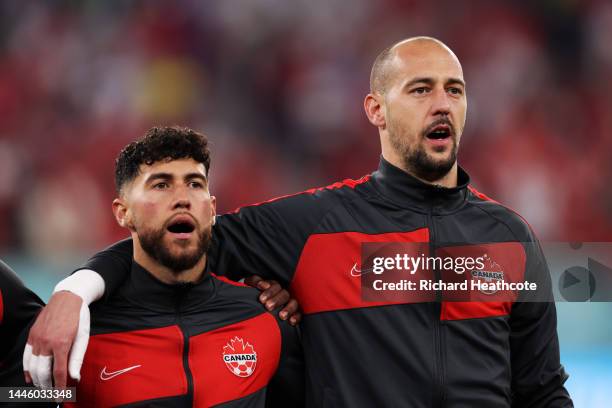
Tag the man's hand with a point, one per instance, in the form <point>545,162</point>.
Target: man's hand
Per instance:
<point>273,296</point>
<point>61,327</point>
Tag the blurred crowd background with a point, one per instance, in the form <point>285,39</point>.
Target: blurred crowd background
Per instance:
<point>278,87</point>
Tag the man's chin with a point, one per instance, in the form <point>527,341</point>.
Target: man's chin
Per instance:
<point>182,242</point>
<point>431,166</point>
<point>182,249</point>
<point>439,151</point>
<point>180,261</point>
<point>444,162</point>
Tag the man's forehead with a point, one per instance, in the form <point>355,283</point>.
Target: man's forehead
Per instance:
<point>425,58</point>
<point>177,167</point>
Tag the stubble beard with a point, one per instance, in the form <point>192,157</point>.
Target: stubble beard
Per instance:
<point>417,161</point>
<point>152,242</point>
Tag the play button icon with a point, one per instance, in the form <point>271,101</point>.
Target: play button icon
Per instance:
<point>577,284</point>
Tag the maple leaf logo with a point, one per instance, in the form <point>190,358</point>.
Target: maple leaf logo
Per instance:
<point>491,272</point>
<point>491,265</point>
<point>240,357</point>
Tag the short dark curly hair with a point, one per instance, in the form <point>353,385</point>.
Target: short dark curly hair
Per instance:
<point>160,143</point>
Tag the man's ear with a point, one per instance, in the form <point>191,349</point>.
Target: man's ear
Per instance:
<point>120,210</point>
<point>213,209</point>
<point>375,110</point>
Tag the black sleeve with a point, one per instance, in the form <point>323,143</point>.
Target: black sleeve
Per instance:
<point>537,373</point>
<point>267,239</point>
<point>286,389</point>
<point>113,264</point>
<point>18,308</point>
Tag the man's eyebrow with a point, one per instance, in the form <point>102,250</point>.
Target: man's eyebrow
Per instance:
<point>168,176</point>
<point>452,81</point>
<point>157,176</point>
<point>431,81</point>
<point>419,80</point>
<point>200,176</point>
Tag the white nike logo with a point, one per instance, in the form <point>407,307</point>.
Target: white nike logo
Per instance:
<point>105,375</point>
<point>355,271</point>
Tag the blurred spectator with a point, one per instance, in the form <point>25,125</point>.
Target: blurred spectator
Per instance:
<point>278,87</point>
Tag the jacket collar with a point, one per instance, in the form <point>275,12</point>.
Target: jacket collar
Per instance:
<point>407,191</point>
<point>146,290</point>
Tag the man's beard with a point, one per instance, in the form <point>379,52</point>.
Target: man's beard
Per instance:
<point>417,161</point>
<point>152,242</point>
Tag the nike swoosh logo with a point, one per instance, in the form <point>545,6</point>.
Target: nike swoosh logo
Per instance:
<point>357,272</point>
<point>105,375</point>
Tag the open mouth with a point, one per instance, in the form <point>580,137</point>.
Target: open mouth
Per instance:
<point>439,132</point>
<point>181,225</point>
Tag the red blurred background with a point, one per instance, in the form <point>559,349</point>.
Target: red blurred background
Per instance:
<point>278,87</point>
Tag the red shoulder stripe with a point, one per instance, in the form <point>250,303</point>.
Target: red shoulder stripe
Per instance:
<point>482,196</point>
<point>231,282</point>
<point>344,183</point>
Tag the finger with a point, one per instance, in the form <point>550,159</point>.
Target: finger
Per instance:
<point>263,285</point>
<point>27,356</point>
<point>60,367</point>
<point>279,299</point>
<point>35,342</point>
<point>290,308</point>
<point>253,280</point>
<point>60,359</point>
<point>44,370</point>
<point>272,290</point>
<point>79,346</point>
<point>295,319</point>
<point>34,370</point>
<point>257,282</point>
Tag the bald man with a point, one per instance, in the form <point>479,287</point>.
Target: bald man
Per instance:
<point>385,351</point>
<point>417,86</point>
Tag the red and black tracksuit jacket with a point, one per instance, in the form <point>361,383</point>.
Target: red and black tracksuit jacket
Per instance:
<point>390,354</point>
<point>201,345</point>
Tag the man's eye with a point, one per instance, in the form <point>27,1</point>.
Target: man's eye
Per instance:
<point>196,184</point>
<point>420,91</point>
<point>160,186</point>
<point>455,91</point>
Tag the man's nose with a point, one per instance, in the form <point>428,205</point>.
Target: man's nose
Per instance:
<point>181,200</point>
<point>441,103</point>
<point>182,203</point>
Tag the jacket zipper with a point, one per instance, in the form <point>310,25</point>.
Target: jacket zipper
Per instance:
<point>179,320</point>
<point>439,396</point>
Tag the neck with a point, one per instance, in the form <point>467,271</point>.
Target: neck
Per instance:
<point>449,180</point>
<point>163,273</point>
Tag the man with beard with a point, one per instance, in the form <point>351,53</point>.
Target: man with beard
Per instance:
<point>409,352</point>
<point>174,334</point>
